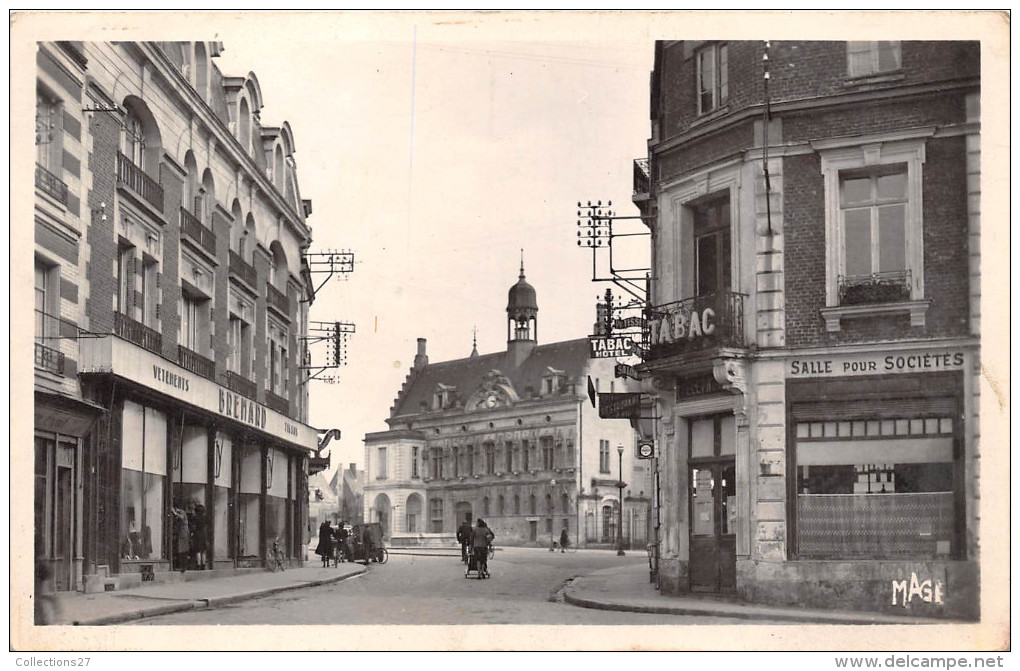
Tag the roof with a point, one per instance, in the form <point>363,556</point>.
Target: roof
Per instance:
<point>569,357</point>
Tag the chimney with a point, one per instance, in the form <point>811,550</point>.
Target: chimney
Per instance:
<point>421,359</point>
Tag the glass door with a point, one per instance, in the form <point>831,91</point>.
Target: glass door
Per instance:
<point>713,541</point>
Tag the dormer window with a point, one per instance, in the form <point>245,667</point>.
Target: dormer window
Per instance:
<point>552,381</point>
<point>443,396</point>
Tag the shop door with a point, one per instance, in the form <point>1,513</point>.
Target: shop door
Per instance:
<point>713,559</point>
<point>63,523</point>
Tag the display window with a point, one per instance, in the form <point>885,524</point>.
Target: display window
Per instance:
<point>876,488</point>
<point>143,479</point>
<point>277,466</point>
<point>222,469</point>
<point>249,500</point>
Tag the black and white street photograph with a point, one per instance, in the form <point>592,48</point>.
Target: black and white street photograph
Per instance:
<point>511,331</point>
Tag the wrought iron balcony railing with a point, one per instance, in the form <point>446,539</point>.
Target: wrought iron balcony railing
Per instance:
<point>887,287</point>
<point>135,178</point>
<point>278,403</point>
<point>196,230</point>
<point>242,269</point>
<point>138,333</point>
<point>49,359</point>
<point>277,300</point>
<point>196,363</point>
<point>696,324</point>
<point>642,176</point>
<point>51,184</point>
<point>241,385</point>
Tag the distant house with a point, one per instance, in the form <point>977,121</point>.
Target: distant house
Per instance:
<point>349,485</point>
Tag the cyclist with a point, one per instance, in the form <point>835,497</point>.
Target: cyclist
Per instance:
<point>481,539</point>
<point>464,538</point>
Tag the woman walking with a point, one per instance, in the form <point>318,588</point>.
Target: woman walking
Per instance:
<point>325,547</point>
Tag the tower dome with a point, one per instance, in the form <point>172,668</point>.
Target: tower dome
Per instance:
<point>521,300</point>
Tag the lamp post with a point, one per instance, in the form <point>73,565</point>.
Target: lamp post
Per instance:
<point>619,535</point>
<point>552,531</point>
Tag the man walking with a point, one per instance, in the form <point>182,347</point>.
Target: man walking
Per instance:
<point>464,538</point>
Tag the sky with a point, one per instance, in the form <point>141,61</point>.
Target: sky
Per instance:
<point>436,158</point>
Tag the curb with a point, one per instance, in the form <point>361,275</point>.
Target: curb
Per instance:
<point>213,602</point>
<point>791,616</point>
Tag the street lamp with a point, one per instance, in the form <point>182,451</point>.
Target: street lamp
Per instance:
<point>552,531</point>
<point>619,536</point>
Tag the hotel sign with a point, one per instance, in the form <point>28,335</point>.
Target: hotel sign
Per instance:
<point>610,347</point>
<point>126,360</point>
<point>875,363</point>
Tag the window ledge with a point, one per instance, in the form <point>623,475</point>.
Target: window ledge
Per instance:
<point>885,77</point>
<point>833,315</point>
<point>707,117</point>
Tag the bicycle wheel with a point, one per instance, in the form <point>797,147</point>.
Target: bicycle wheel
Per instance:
<point>492,552</point>
<point>382,556</point>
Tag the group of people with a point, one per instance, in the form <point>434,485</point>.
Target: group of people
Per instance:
<point>478,538</point>
<point>189,535</point>
<point>334,544</point>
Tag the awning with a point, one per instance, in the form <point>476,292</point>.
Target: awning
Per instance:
<point>65,415</point>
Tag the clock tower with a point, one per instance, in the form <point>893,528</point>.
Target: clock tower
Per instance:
<point>522,320</point>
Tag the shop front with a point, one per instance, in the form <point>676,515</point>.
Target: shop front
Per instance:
<point>198,477</point>
<point>879,452</point>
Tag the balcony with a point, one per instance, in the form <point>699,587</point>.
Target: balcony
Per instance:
<point>277,300</point>
<point>244,271</point>
<point>642,176</point>
<point>888,287</point>
<point>49,359</point>
<point>241,385</point>
<point>50,184</point>
<point>138,333</point>
<point>135,178</point>
<point>196,363</point>
<point>696,324</point>
<point>278,403</point>
<point>196,230</point>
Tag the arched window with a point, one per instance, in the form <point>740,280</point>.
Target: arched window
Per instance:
<point>244,125</point>
<point>191,189</point>
<point>201,71</point>
<point>277,266</point>
<point>140,141</point>
<point>278,168</point>
<point>208,195</point>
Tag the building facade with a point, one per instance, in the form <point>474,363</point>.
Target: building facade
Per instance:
<point>172,295</point>
<point>813,327</point>
<point>510,437</point>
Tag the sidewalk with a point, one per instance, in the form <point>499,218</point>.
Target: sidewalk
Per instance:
<point>626,588</point>
<point>159,599</point>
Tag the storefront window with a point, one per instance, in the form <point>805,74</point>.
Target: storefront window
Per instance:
<point>250,494</point>
<point>876,488</point>
<point>142,482</point>
<point>276,499</point>
<point>220,513</point>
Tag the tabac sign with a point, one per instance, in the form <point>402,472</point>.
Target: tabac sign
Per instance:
<point>610,347</point>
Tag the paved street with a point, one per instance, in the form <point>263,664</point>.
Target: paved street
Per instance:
<point>420,590</point>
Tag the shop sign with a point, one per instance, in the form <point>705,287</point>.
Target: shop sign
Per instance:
<point>929,591</point>
<point>698,385</point>
<point>610,347</point>
<point>116,356</point>
<point>620,406</point>
<point>623,370</point>
<point>628,323</point>
<point>875,363</point>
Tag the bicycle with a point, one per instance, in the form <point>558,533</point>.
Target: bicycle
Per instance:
<point>381,556</point>
<point>274,557</point>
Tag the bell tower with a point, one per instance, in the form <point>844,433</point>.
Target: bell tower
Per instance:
<point>522,320</point>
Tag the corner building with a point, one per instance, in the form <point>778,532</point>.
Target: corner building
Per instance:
<point>170,258</point>
<point>510,437</point>
<point>814,338</point>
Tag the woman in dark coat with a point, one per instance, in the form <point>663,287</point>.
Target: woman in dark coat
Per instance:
<point>198,544</point>
<point>325,547</point>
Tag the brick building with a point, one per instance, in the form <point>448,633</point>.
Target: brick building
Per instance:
<point>171,297</point>
<point>813,338</point>
<point>509,437</point>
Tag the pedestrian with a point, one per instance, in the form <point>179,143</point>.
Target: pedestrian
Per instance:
<point>481,538</point>
<point>564,540</point>
<point>464,538</point>
<point>198,543</point>
<point>325,547</point>
<point>342,533</point>
<point>181,536</point>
